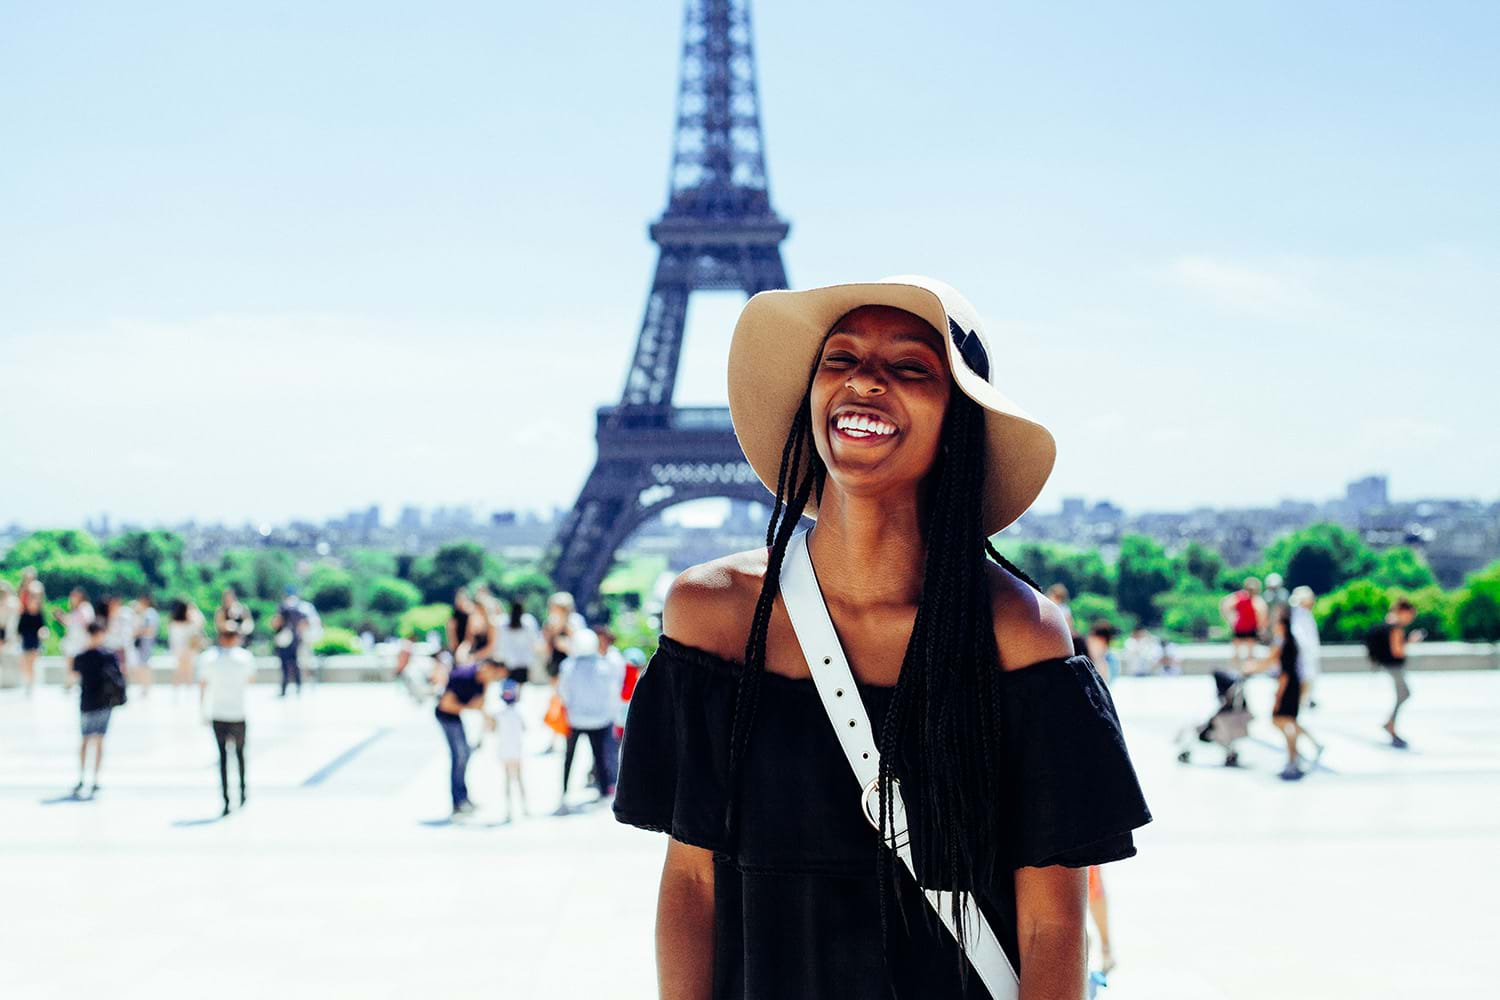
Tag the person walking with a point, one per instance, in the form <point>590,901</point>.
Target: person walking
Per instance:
<point>10,613</point>
<point>1386,644</point>
<point>510,737</point>
<point>1286,654</point>
<point>882,641</point>
<point>184,638</point>
<point>75,623</point>
<point>517,642</point>
<point>119,633</point>
<point>1309,647</point>
<point>1245,613</point>
<point>232,613</point>
<point>463,692</point>
<point>224,672</point>
<point>589,684</point>
<point>101,689</point>
<point>288,626</point>
<point>148,627</point>
<point>31,629</point>
<point>1276,597</point>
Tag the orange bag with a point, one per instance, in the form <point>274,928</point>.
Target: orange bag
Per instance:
<point>556,718</point>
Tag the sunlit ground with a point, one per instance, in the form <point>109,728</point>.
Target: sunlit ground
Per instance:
<point>1372,878</point>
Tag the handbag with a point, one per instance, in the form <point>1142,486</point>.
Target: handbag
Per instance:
<point>835,685</point>
<point>556,718</point>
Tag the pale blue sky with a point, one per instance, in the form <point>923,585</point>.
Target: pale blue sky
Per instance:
<point>397,252</point>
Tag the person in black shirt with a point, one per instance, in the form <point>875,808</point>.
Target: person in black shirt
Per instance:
<point>1387,647</point>
<point>31,628</point>
<point>464,690</point>
<point>97,671</point>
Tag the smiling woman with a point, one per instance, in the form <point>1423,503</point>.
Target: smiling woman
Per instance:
<point>891,641</point>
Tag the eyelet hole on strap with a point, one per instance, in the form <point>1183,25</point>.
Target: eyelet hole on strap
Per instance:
<point>851,723</point>
<point>838,693</point>
<point>827,659</point>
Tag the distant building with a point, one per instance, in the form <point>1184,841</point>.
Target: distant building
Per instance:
<point>1367,493</point>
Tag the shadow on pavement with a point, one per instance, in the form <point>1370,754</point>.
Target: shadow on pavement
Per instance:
<point>69,797</point>
<point>206,821</point>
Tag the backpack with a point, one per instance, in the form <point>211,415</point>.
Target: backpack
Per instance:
<point>112,684</point>
<point>1378,643</point>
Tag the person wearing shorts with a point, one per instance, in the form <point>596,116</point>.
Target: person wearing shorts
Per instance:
<point>97,671</point>
<point>1286,652</point>
<point>1245,613</point>
<point>1387,647</point>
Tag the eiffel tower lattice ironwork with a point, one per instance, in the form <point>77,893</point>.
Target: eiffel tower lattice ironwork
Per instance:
<point>718,232</point>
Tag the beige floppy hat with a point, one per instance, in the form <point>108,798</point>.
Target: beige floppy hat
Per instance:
<point>777,339</point>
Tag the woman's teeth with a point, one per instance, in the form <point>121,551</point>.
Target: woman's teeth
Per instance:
<point>859,426</point>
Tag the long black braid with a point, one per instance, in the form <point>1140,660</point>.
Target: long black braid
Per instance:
<point>940,731</point>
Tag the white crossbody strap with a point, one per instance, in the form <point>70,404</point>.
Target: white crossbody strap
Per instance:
<point>835,684</point>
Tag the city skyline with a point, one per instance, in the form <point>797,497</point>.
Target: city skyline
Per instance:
<point>262,265</point>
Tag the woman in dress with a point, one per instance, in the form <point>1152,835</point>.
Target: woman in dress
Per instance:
<point>184,636</point>
<point>871,407</point>
<point>516,645</point>
<point>31,629</point>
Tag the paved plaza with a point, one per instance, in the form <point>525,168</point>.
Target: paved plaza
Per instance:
<point>1373,878</point>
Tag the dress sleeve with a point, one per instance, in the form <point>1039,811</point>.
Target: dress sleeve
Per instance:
<point>674,760</point>
<point>1070,775</point>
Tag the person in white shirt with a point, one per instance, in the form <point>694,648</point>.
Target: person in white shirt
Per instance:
<point>1143,652</point>
<point>223,674</point>
<point>589,685</point>
<point>510,733</point>
<point>1309,649</point>
<point>517,644</point>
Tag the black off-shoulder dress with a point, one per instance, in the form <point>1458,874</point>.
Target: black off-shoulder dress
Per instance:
<point>797,911</point>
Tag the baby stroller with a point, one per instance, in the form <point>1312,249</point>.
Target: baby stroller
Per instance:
<point>1229,723</point>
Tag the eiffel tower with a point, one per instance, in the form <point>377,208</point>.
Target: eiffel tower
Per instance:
<point>718,232</point>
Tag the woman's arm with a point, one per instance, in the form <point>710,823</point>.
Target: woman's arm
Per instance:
<point>685,924</point>
<point>1050,906</point>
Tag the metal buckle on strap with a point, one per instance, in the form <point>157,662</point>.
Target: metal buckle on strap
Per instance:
<point>867,805</point>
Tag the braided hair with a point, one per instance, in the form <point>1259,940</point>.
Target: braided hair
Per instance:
<point>947,698</point>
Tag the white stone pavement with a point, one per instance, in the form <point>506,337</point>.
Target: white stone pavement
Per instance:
<point>1374,878</point>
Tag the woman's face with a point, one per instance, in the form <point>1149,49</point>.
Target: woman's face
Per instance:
<point>879,395</point>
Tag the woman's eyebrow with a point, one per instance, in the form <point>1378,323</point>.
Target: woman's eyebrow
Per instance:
<point>900,338</point>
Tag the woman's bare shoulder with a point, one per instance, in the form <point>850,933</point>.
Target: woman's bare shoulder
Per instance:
<point>710,605</point>
<point>1029,627</point>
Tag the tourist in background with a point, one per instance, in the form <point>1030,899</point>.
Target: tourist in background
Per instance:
<point>589,685</point>
<point>479,639</point>
<point>10,613</point>
<point>464,691</point>
<point>31,629</point>
<point>147,627</point>
<point>1143,652</point>
<point>119,633</point>
<point>510,737</point>
<point>1386,644</point>
<point>1276,597</point>
<point>75,622</point>
<point>1309,648</point>
<point>223,674</point>
<point>184,639</point>
<point>1245,613</point>
<point>1284,654</point>
<point>458,619</point>
<point>563,621</point>
<point>289,626</point>
<point>101,687</point>
<point>1101,634</point>
<point>518,636</point>
<point>233,614</point>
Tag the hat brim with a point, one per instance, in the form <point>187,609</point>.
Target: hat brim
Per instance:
<point>771,355</point>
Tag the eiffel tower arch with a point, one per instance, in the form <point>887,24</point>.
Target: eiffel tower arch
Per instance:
<point>718,232</point>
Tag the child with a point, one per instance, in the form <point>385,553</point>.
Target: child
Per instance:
<point>510,729</point>
<point>101,687</point>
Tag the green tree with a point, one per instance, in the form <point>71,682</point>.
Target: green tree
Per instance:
<point>1142,572</point>
<point>337,641</point>
<point>40,546</point>
<point>1202,563</point>
<point>157,553</point>
<point>92,571</point>
<point>1089,609</point>
<point>1351,611</point>
<point>1402,567</point>
<point>1082,571</point>
<point>330,588</point>
<point>1322,556</point>
<point>1435,610</point>
<point>455,565</point>
<point>417,622</point>
<point>1476,607</point>
<point>391,596</point>
<point>1189,610</point>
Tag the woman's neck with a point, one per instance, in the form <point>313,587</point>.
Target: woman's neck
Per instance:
<point>868,550</point>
